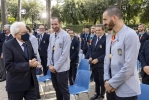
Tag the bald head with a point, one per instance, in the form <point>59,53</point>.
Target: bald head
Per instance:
<point>114,11</point>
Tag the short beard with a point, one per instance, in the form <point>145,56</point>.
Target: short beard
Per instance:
<point>111,25</point>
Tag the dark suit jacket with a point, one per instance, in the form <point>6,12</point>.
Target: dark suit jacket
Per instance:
<point>98,51</point>
<point>89,47</point>
<point>85,43</point>
<point>2,40</point>
<point>44,45</point>
<point>19,73</point>
<point>74,51</point>
<point>143,39</point>
<point>144,57</point>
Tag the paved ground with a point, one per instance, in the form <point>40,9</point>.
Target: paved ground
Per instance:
<point>50,93</point>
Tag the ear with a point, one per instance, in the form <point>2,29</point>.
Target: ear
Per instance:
<point>114,18</point>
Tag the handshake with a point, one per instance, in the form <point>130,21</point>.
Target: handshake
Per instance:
<point>33,63</point>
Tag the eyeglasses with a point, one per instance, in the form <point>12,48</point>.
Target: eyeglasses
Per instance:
<point>22,33</point>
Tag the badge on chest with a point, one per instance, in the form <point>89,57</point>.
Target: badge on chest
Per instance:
<point>72,47</point>
<point>60,45</point>
<point>119,51</point>
<point>100,46</point>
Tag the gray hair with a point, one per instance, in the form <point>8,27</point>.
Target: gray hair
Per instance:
<point>7,26</point>
<point>14,29</point>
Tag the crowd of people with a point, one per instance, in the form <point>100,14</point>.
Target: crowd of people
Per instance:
<point>112,50</point>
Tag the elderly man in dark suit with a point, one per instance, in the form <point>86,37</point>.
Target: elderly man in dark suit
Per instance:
<point>96,59</point>
<point>20,64</point>
<point>4,36</point>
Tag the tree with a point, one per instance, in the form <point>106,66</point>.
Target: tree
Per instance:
<point>34,10</point>
<point>3,12</point>
<point>19,10</point>
<point>48,9</point>
<point>71,12</point>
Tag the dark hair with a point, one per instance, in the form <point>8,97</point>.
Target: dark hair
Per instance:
<point>101,25</point>
<point>70,30</point>
<point>93,25</point>
<point>29,29</point>
<point>86,26</point>
<point>114,10</point>
<point>56,18</point>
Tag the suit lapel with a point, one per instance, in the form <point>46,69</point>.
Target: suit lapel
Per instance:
<point>18,47</point>
<point>99,41</point>
<point>10,37</point>
<point>94,42</point>
<point>73,41</point>
<point>44,35</point>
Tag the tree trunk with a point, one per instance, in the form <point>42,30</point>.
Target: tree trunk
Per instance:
<point>48,9</point>
<point>3,13</point>
<point>19,10</point>
<point>119,3</point>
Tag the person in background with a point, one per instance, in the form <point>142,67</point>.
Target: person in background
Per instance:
<point>4,37</point>
<point>34,43</point>
<point>67,29</point>
<point>143,36</point>
<point>43,41</point>
<point>50,31</point>
<point>74,56</point>
<point>96,60</point>
<point>85,41</point>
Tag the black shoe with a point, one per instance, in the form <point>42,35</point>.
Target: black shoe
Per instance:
<point>101,98</point>
<point>94,97</point>
<point>1,80</point>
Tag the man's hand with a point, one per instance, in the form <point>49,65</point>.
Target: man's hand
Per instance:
<point>146,69</point>
<point>90,60</point>
<point>95,61</point>
<point>108,88</point>
<point>33,63</point>
<point>2,55</point>
<point>52,69</point>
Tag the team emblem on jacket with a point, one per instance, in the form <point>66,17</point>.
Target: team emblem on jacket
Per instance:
<point>60,45</point>
<point>119,52</point>
<point>100,46</point>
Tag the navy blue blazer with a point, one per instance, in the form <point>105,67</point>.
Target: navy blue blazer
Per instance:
<point>144,57</point>
<point>85,43</point>
<point>44,45</point>
<point>143,39</point>
<point>74,51</point>
<point>98,51</point>
<point>2,40</point>
<point>19,73</point>
<point>89,47</point>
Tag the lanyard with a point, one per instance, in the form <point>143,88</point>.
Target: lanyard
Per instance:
<point>53,49</point>
<point>110,56</point>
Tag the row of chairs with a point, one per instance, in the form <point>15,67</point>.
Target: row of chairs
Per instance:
<point>82,81</point>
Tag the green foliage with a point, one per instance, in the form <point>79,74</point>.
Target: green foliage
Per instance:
<point>11,20</point>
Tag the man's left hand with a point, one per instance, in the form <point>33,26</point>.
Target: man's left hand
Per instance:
<point>52,69</point>
<point>2,55</point>
<point>108,88</point>
<point>95,61</point>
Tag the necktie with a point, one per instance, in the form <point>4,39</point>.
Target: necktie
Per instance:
<point>97,40</point>
<point>40,39</point>
<point>25,50</point>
